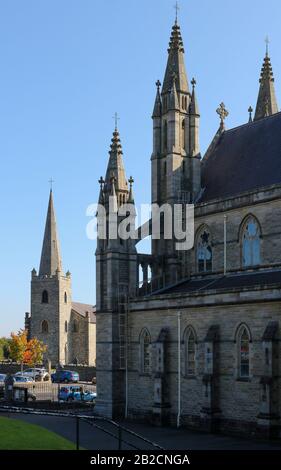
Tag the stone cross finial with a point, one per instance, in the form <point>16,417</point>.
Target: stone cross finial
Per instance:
<point>250,111</point>
<point>193,83</point>
<point>223,113</point>
<point>101,182</point>
<point>116,119</point>
<point>131,182</point>
<point>51,181</point>
<point>158,84</point>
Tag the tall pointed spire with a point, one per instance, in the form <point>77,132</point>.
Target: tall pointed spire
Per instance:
<point>115,182</point>
<point>115,167</point>
<point>175,64</point>
<point>50,262</point>
<point>267,102</point>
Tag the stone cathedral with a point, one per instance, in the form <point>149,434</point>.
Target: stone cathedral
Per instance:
<point>197,343</point>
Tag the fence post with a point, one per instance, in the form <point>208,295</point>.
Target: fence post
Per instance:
<point>119,438</point>
<point>77,433</point>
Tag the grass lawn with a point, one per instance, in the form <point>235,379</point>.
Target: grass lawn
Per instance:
<point>18,435</point>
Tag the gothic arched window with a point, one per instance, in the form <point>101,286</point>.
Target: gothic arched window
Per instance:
<point>243,342</point>
<point>204,251</point>
<point>65,298</point>
<point>45,297</point>
<point>65,326</point>
<point>251,243</point>
<point>145,351</point>
<point>190,352</point>
<point>45,327</point>
<point>183,134</point>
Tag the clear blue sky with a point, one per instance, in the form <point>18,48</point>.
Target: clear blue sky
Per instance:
<point>66,67</point>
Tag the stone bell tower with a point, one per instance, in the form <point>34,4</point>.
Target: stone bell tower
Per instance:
<point>175,161</point>
<point>51,296</point>
<point>116,278</point>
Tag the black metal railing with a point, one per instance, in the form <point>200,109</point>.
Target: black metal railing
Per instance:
<point>116,432</point>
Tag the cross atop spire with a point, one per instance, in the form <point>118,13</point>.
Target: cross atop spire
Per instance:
<point>51,181</point>
<point>177,8</point>
<point>267,42</point>
<point>116,119</point>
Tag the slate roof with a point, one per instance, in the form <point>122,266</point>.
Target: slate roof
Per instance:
<point>81,309</point>
<point>241,280</point>
<point>245,158</point>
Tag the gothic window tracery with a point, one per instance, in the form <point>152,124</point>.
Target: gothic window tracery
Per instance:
<point>251,243</point>
<point>145,351</point>
<point>204,251</point>
<point>243,342</point>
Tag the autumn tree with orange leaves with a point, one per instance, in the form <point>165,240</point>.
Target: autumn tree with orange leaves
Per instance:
<point>26,352</point>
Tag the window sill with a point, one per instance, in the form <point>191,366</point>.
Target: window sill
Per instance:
<point>143,374</point>
<point>243,379</point>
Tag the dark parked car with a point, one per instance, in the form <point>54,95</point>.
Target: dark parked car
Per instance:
<point>65,376</point>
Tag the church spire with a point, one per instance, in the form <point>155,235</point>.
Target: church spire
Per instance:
<point>175,64</point>
<point>50,262</point>
<point>267,102</point>
<point>115,167</point>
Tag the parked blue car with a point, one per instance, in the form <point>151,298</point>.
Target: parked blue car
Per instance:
<point>65,376</point>
<point>76,393</point>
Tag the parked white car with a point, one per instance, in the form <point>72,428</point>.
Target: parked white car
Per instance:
<point>36,373</point>
<point>18,378</point>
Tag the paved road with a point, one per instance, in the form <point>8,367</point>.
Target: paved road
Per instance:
<point>168,438</point>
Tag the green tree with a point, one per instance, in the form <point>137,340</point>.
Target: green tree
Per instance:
<point>4,348</point>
